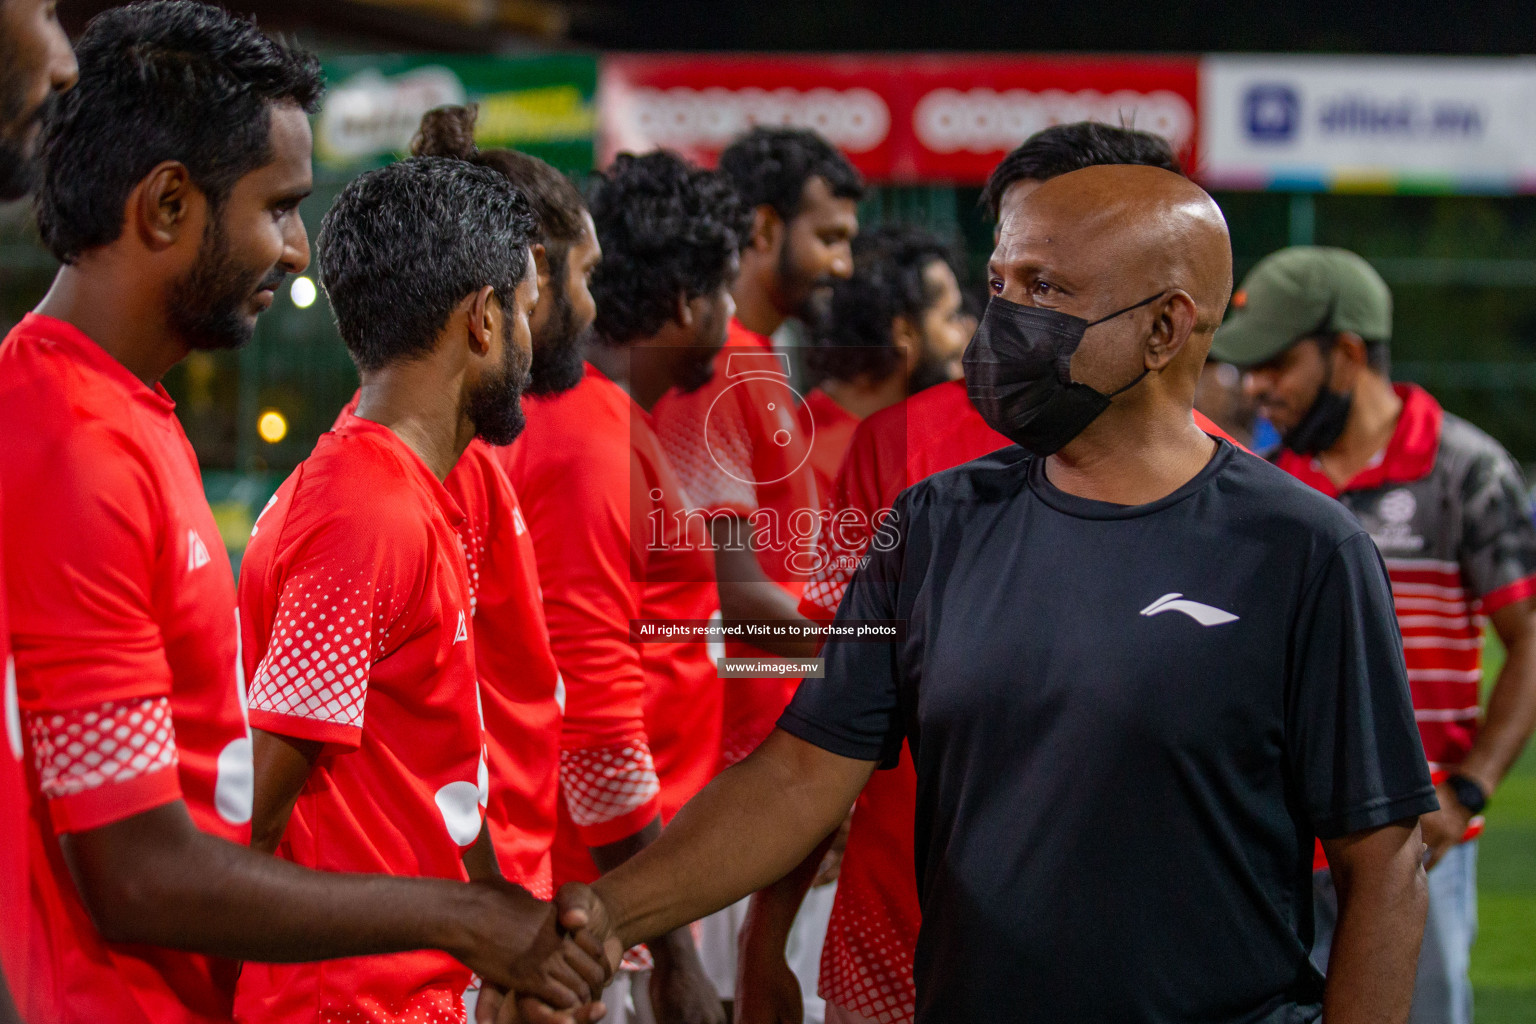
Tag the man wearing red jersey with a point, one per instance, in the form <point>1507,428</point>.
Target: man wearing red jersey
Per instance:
<point>866,966</point>
<point>36,64</point>
<point>608,517</point>
<point>175,231</point>
<point>522,692</point>
<point>1449,511</point>
<point>346,611</point>
<point>894,328</point>
<point>736,442</point>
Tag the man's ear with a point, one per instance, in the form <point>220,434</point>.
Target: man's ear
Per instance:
<point>1173,322</point>
<point>483,317</point>
<point>682,310</point>
<point>540,264</point>
<point>164,205</point>
<point>1348,359</point>
<point>907,339</point>
<point>767,228</point>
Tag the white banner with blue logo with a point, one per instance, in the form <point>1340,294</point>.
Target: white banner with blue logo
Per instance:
<point>1368,123</point>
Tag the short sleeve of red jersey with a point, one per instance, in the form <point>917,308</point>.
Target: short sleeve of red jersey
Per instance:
<point>579,515</point>
<point>93,680</point>
<point>335,591</point>
<point>1498,547</point>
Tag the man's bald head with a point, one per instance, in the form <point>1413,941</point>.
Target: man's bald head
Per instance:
<point>1160,226</point>
<point>1096,240</point>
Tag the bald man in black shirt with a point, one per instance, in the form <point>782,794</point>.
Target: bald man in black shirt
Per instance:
<point>1141,671</point>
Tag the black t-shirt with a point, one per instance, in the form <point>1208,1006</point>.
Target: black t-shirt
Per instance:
<point>1128,724</point>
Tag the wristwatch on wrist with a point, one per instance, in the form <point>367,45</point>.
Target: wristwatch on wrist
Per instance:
<point>1468,793</point>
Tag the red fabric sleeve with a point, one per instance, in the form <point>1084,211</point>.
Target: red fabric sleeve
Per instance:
<point>343,584</point>
<point>1509,594</point>
<point>81,580</point>
<point>96,766</point>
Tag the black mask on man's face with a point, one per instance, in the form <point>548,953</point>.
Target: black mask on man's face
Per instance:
<point>1018,373</point>
<point>1324,422</point>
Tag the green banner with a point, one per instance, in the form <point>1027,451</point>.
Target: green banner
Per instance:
<point>542,105</point>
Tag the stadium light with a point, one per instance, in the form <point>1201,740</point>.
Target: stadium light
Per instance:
<point>272,425</point>
<point>302,292</point>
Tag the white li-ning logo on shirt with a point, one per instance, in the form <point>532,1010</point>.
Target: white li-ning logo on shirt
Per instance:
<point>197,551</point>
<point>463,631</point>
<point>1201,613</point>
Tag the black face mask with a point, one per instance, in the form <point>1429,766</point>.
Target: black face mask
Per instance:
<point>1018,373</point>
<point>1324,423</point>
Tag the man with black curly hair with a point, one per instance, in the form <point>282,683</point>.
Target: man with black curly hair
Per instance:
<point>894,328</point>
<point>608,515</point>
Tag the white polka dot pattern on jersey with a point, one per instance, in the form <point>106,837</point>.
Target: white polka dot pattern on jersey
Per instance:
<point>85,749</point>
<point>317,661</point>
<point>432,1007</point>
<point>472,539</point>
<point>542,885</point>
<point>721,478</point>
<point>602,784</point>
<point>736,743</point>
<point>866,966</point>
<point>839,550</point>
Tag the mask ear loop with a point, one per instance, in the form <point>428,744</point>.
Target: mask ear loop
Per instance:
<point>1146,369</point>
<point>1127,309</point>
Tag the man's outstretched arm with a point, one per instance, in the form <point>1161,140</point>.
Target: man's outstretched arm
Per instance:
<point>745,830</point>
<point>155,878</point>
<point>1383,897</point>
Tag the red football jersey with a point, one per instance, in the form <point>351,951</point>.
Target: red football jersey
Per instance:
<point>866,962</point>
<point>15,896</point>
<point>830,428</point>
<point>738,446</point>
<point>642,721</point>
<point>1450,514</point>
<point>521,688</point>
<point>125,642</point>
<point>355,602</point>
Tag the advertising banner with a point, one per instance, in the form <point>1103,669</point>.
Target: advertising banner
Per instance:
<point>902,118</point>
<point>1368,123</point>
<point>543,105</point>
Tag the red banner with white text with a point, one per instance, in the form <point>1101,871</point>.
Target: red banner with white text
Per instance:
<point>904,118</point>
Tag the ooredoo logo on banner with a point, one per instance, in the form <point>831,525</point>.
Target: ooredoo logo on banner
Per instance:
<point>1317,123</point>
<point>929,118</point>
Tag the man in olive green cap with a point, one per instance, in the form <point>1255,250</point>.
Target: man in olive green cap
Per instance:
<point>1447,508</point>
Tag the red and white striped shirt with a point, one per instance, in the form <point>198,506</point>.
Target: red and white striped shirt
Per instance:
<point>1448,509</point>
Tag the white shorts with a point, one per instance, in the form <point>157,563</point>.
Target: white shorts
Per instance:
<point>717,947</point>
